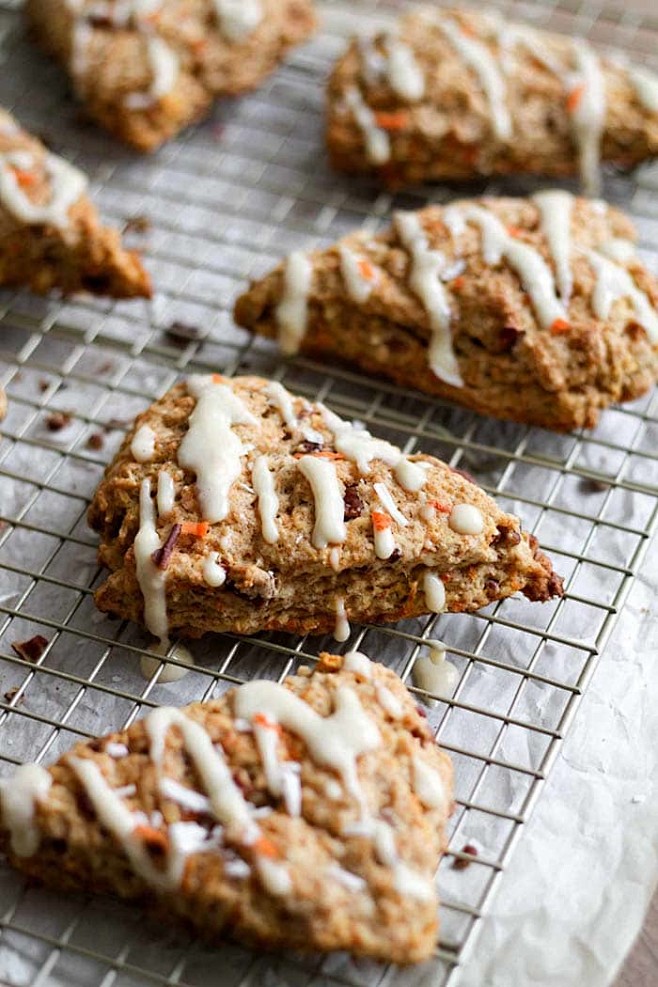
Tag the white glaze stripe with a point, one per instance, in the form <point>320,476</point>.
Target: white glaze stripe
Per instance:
<point>328,493</point>
<point>588,115</point>
<point>238,18</point>
<point>164,71</point>
<point>614,283</point>
<point>292,310</point>
<point>404,74</point>
<point>18,798</point>
<point>151,579</point>
<point>67,185</point>
<point>359,287</point>
<point>377,141</point>
<point>555,209</point>
<point>268,502</point>
<point>645,84</point>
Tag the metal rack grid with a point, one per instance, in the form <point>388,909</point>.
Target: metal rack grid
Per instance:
<point>225,201</point>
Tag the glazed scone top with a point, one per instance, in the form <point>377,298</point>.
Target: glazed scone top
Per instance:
<point>239,479</point>
<point>432,263</point>
<point>36,187</point>
<point>432,51</point>
<point>336,766</point>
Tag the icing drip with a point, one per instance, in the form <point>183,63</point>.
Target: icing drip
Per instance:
<point>67,185</point>
<point>238,18</point>
<point>384,540</point>
<point>425,282</point>
<point>166,493</point>
<point>384,495</point>
<point>214,572</point>
<point>555,209</point>
<point>359,275</point>
<point>645,84</point>
<point>151,579</point>
<point>329,504</point>
<point>334,741</point>
<point>377,141</point>
<point>428,784</point>
<point>275,877</point>
<point>143,445</point>
<point>278,396</point>
<point>478,57</point>
<point>186,797</point>
<point>210,447</point>
<point>435,593</point>
<point>618,249</point>
<point>389,702</point>
<point>268,502</point>
<point>510,36</point>
<point>164,72</point>
<point>433,674</point>
<point>342,628</point>
<point>358,663</point>
<point>18,798</point>
<point>404,74</point>
<point>614,283</point>
<point>148,666</point>
<point>412,884</point>
<point>587,104</point>
<point>530,266</point>
<point>465,519</point>
<point>405,880</point>
<point>292,310</point>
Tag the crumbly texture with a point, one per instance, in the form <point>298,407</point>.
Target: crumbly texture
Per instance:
<point>291,585</point>
<point>81,256</point>
<point>447,134</point>
<point>511,367</point>
<point>115,61</point>
<point>319,913</point>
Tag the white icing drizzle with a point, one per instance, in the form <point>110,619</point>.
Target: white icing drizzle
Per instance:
<point>116,750</point>
<point>412,477</point>
<point>127,791</point>
<point>411,884</point>
<point>291,788</point>
<point>383,536</point>
<point>186,797</point>
<point>166,493</point>
<point>238,18</point>
<point>275,876</point>
<point>292,310</point>
<point>268,503</point>
<point>329,528</point>
<point>18,798</point>
<point>278,396</point>
<point>510,36</point>
<point>466,519</point>
<point>478,57</point>
<point>618,249</point>
<point>614,283</point>
<point>403,72</point>
<point>428,784</point>
<point>164,74</point>
<point>151,579</point>
<point>142,446</point>
<point>334,741</point>
<point>389,504</point>
<point>433,674</point>
<point>555,209</point>
<point>588,115</point>
<point>405,880</point>
<point>425,282</point>
<point>435,593</point>
<point>358,663</point>
<point>359,285</point>
<point>377,141</point>
<point>389,701</point>
<point>645,84</point>
<point>533,271</point>
<point>67,185</point>
<point>210,447</point>
<point>348,879</point>
<point>214,573</point>
<point>342,629</point>
<point>148,665</point>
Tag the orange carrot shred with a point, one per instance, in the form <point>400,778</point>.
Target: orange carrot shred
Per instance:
<point>514,231</point>
<point>197,528</point>
<point>442,508</point>
<point>153,837</point>
<point>392,120</point>
<point>366,270</point>
<point>559,327</point>
<point>265,847</point>
<point>574,97</point>
<point>264,721</point>
<point>24,178</point>
<point>218,378</point>
<point>380,521</point>
<point>457,283</point>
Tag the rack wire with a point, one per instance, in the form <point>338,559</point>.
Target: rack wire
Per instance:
<point>224,202</point>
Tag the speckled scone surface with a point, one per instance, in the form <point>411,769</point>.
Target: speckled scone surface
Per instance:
<point>341,855</point>
<point>513,363</point>
<point>144,72</point>
<point>50,233</point>
<point>437,121</point>
<point>375,565</point>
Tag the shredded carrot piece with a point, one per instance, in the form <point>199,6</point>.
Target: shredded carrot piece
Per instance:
<point>218,378</point>
<point>574,97</point>
<point>380,521</point>
<point>366,270</point>
<point>200,45</point>
<point>153,837</point>
<point>264,721</point>
<point>392,120</point>
<point>197,528</point>
<point>265,847</point>
<point>468,30</point>
<point>514,231</point>
<point>24,178</point>
<point>559,327</point>
<point>442,508</point>
<point>457,283</point>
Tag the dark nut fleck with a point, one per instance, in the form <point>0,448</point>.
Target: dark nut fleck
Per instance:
<point>307,447</point>
<point>95,441</point>
<point>461,863</point>
<point>58,420</point>
<point>509,337</point>
<point>353,502</point>
<point>32,649</point>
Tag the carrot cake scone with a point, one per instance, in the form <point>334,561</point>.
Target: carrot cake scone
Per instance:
<point>235,506</point>
<point>145,69</point>
<point>308,816</point>
<point>453,94</point>
<point>50,234</point>
<point>537,310</point>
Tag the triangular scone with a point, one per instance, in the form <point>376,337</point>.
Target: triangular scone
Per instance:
<point>537,310</point>
<point>50,233</point>
<point>145,70</point>
<point>235,506</point>
<point>454,94</point>
<point>307,816</point>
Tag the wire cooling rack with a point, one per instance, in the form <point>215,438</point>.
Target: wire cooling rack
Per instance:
<point>224,202</point>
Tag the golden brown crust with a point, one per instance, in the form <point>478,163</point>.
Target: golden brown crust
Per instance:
<point>372,918</point>
<point>115,62</point>
<point>81,255</point>
<point>565,379</point>
<point>447,134</point>
<point>291,585</point>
